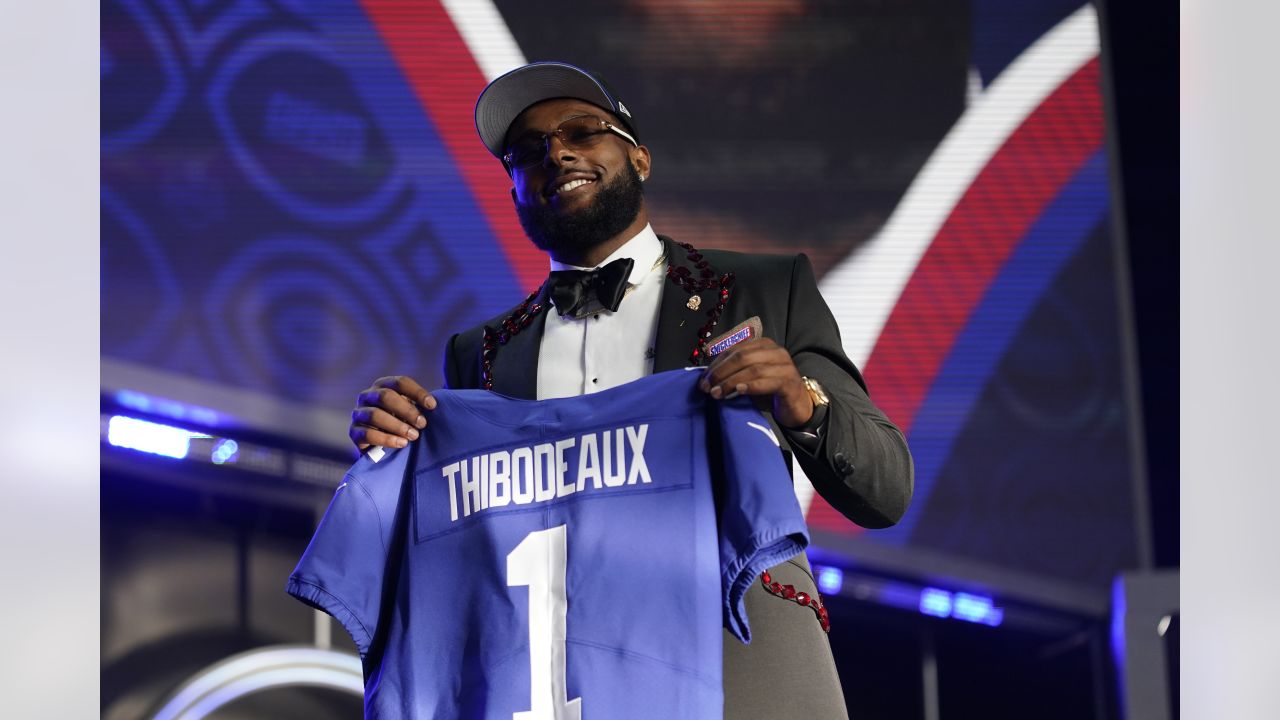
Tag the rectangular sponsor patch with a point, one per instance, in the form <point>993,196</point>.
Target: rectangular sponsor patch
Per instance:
<point>745,330</point>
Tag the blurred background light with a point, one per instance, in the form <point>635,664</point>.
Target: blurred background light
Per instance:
<point>830,579</point>
<point>224,452</point>
<point>153,405</point>
<point>148,437</point>
<point>935,602</point>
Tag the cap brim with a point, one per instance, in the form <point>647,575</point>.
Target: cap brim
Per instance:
<point>509,95</point>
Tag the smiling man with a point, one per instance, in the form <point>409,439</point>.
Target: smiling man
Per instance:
<point>580,210</point>
<point>622,302</point>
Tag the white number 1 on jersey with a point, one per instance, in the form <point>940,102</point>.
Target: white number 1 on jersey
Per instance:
<point>539,561</point>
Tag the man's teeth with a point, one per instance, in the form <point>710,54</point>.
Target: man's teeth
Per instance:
<point>572,185</point>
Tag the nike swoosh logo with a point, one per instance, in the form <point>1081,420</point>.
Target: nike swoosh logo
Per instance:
<point>766,431</point>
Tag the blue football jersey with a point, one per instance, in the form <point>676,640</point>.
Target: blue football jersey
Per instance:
<point>569,559</point>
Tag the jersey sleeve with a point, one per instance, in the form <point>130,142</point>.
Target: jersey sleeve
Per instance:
<point>343,570</point>
<point>761,523</point>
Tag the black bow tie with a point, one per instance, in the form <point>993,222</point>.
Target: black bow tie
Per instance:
<point>571,290</point>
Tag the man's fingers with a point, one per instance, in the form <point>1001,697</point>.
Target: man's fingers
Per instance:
<point>364,437</point>
<point>763,354</point>
<point>400,406</point>
<point>393,402</point>
<point>380,419</point>
<point>390,413</point>
<point>410,388</point>
<point>751,380</point>
<point>739,380</point>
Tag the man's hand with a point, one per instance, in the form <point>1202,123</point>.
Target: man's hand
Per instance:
<point>759,367</point>
<point>390,413</point>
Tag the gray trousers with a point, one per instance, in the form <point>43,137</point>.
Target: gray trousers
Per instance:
<point>787,671</point>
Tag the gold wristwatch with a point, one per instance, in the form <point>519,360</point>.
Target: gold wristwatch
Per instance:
<point>816,393</point>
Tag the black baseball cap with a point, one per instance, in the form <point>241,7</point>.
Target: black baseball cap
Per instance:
<point>509,95</point>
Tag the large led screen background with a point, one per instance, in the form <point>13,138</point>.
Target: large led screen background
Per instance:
<point>294,202</point>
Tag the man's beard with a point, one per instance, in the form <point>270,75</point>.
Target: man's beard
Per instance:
<point>570,235</point>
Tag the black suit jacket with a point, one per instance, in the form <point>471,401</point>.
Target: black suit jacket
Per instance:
<point>861,466</point>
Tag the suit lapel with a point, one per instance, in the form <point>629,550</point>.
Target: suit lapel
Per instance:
<point>678,322</point>
<point>515,369</point>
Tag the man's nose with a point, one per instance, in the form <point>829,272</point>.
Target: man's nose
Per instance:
<point>557,150</point>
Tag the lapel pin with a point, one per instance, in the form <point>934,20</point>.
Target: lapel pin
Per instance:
<point>695,302</point>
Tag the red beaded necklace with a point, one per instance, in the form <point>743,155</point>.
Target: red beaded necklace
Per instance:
<point>705,281</point>
<point>524,314</point>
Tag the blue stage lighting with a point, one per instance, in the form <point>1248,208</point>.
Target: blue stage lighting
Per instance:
<point>977,609</point>
<point>169,408</point>
<point>1119,608</point>
<point>148,437</point>
<point>224,452</point>
<point>935,602</point>
<point>830,579</point>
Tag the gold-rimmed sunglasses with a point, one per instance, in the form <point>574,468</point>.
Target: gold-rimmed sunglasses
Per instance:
<point>577,133</point>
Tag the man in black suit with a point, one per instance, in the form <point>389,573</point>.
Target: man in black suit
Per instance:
<point>623,302</point>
